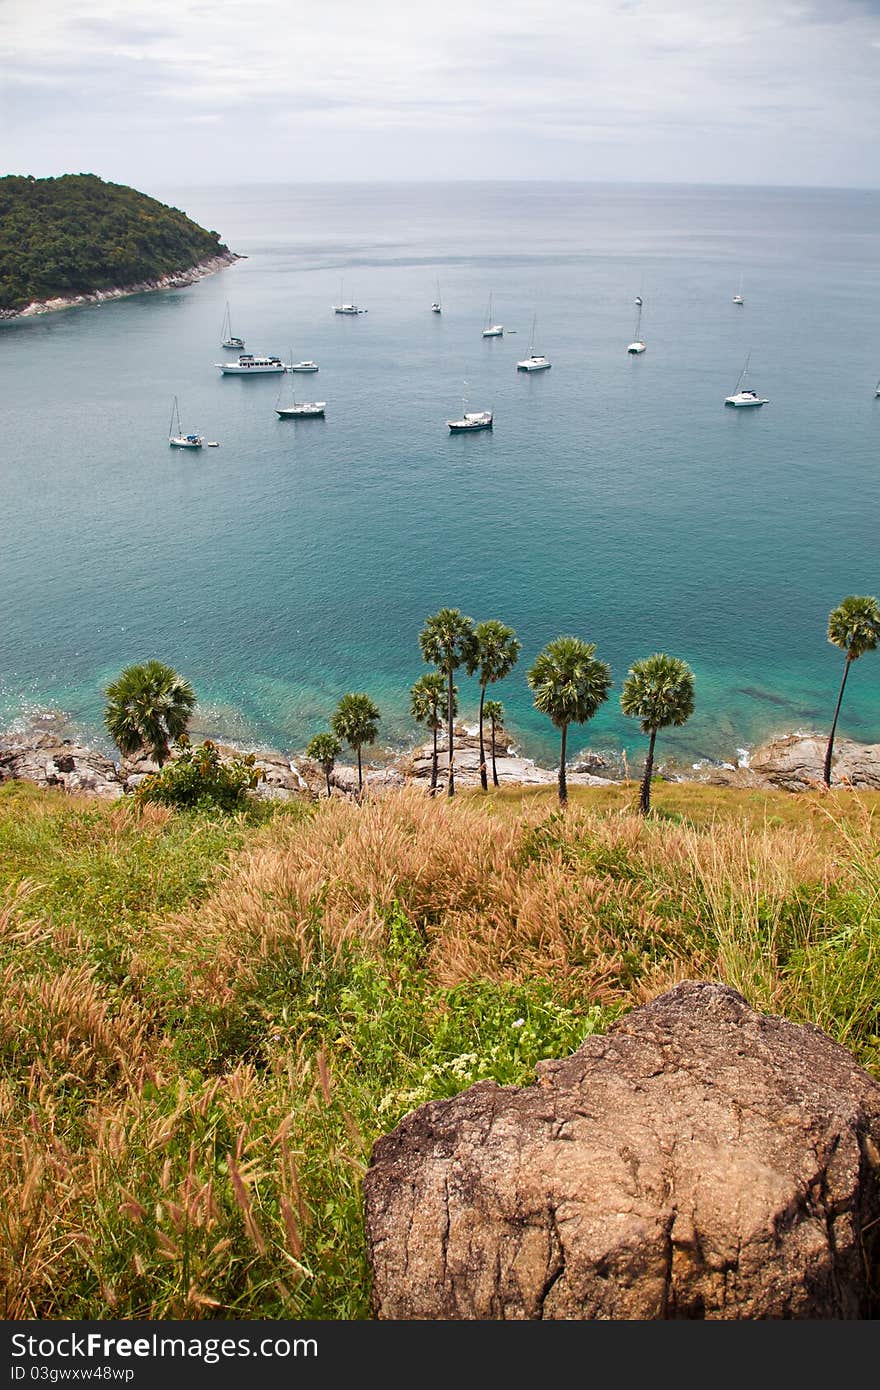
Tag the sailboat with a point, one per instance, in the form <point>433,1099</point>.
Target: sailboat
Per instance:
<point>492,330</point>
<point>298,410</point>
<point>229,339</point>
<point>536,361</point>
<point>877,389</point>
<point>437,307</point>
<point>637,346</point>
<point>470,419</point>
<point>176,437</point>
<point>744,395</point>
<point>738,297</point>
<point>342,307</point>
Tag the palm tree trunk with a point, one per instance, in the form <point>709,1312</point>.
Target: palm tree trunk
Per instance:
<point>450,784</point>
<point>645,796</point>
<point>327,770</point>
<point>360,774</point>
<point>484,781</point>
<point>494,768</point>
<point>830,749</point>
<point>434,763</point>
<point>563,787</point>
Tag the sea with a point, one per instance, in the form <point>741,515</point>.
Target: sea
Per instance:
<point>616,498</point>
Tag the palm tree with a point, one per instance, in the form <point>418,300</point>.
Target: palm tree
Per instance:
<point>660,692</point>
<point>570,684</point>
<point>425,704</point>
<point>148,707</point>
<point>447,641</point>
<point>497,650</point>
<point>324,749</point>
<point>854,626</point>
<point>494,712</point>
<point>356,720</point>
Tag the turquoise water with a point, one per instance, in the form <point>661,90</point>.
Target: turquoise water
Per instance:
<point>616,498</point>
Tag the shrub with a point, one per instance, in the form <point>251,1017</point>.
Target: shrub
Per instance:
<point>198,779</point>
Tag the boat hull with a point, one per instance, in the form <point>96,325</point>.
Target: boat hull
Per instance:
<point>635,348</point>
<point>493,332</point>
<point>303,366</point>
<point>311,411</point>
<point>233,369</point>
<point>185,443</point>
<point>236,344</point>
<point>533,366</point>
<point>743,405</point>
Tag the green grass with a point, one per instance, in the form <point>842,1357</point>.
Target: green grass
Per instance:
<point>206,1021</point>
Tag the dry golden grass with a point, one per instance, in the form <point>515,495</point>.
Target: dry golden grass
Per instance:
<point>195,1057</point>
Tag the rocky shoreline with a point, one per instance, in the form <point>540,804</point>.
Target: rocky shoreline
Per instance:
<point>173,281</point>
<point>46,757</point>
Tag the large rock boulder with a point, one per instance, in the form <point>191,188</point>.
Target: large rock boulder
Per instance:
<point>797,762</point>
<point>51,761</point>
<point>701,1160</point>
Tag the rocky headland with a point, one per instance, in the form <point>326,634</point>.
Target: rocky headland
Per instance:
<point>49,755</point>
<point>174,281</point>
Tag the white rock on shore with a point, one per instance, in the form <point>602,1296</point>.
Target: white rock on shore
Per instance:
<point>793,763</point>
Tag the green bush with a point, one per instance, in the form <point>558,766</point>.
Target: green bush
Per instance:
<point>197,779</point>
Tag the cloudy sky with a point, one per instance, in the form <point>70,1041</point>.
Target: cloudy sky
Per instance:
<point>186,91</point>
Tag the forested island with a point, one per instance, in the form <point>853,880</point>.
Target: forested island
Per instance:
<point>77,235</point>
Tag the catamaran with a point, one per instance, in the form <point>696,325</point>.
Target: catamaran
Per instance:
<point>176,437</point>
<point>342,307</point>
<point>229,339</point>
<point>536,361</point>
<point>744,395</point>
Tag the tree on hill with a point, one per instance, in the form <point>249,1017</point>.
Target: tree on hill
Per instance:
<point>495,656</point>
<point>356,721</point>
<point>447,641</point>
<point>77,234</point>
<point>854,626</point>
<point>148,708</point>
<point>426,705</point>
<point>570,684</point>
<point>659,691</point>
<point>494,712</point>
<point>324,749</point>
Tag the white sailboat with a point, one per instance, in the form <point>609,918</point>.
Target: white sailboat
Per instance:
<point>176,437</point>
<point>738,297</point>
<point>228,338</point>
<point>492,330</point>
<point>877,389</point>
<point>637,346</point>
<point>346,308</point>
<point>536,361</point>
<point>298,410</point>
<point>470,420</point>
<point>744,395</point>
<point>437,306</point>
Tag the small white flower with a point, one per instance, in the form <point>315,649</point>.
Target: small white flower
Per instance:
<point>518,1023</point>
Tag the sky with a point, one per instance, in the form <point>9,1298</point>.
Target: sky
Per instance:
<point>219,91</point>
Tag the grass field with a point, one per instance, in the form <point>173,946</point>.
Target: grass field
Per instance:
<point>206,1023</point>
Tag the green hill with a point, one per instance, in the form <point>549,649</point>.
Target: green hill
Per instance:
<point>77,234</point>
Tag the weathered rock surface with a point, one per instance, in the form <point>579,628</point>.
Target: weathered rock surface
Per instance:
<point>51,761</point>
<point>511,768</point>
<point>699,1161</point>
<point>796,763</point>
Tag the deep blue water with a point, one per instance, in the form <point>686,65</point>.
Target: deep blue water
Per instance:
<point>616,498</point>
